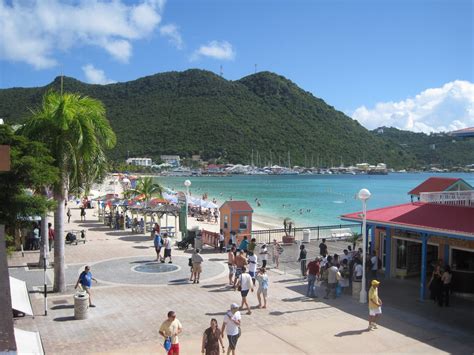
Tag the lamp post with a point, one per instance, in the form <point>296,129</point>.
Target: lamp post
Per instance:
<point>364,195</point>
<point>187,184</point>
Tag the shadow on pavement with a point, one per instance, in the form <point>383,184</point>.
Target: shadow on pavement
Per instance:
<point>63,306</point>
<point>64,319</point>
<point>133,238</point>
<point>141,247</point>
<point>280,313</point>
<point>352,332</point>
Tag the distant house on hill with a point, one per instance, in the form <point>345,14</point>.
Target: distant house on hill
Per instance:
<point>172,160</point>
<point>139,161</point>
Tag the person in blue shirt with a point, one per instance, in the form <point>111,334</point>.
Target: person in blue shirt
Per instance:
<point>244,245</point>
<point>158,243</point>
<point>85,280</point>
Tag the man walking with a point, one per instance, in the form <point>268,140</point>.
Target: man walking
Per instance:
<point>221,241</point>
<point>375,305</point>
<point>231,323</point>
<point>263,255</point>
<point>276,250</point>
<point>323,248</point>
<point>245,285</point>
<point>167,245</point>
<point>85,279</point>
<point>313,274</point>
<point>197,260</point>
<point>171,328</point>
<point>240,263</point>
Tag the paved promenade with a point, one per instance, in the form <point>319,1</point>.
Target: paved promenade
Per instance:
<point>131,304</point>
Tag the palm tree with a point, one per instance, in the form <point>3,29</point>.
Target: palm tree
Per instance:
<point>148,188</point>
<point>76,131</point>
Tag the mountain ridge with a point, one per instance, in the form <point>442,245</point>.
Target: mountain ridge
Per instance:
<point>199,112</point>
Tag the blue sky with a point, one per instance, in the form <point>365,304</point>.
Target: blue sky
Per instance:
<point>378,61</point>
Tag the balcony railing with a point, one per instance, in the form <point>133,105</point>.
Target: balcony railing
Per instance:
<point>452,198</point>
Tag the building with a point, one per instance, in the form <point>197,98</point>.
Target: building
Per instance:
<point>438,228</point>
<point>236,216</point>
<point>172,160</point>
<point>139,161</point>
<point>463,133</point>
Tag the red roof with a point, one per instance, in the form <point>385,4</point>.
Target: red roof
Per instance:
<point>238,206</point>
<point>431,216</point>
<point>434,184</point>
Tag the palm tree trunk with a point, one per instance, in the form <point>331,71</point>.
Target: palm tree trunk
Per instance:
<point>59,265</point>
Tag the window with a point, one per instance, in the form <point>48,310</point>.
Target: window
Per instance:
<point>462,260</point>
<point>243,222</point>
<point>226,221</point>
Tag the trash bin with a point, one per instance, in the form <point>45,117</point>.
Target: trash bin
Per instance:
<point>306,235</point>
<point>81,305</point>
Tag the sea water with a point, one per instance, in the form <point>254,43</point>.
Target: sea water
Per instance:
<point>309,200</point>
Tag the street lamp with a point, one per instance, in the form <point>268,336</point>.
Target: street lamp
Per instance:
<point>363,195</point>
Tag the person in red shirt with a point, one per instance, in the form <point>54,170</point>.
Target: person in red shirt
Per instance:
<point>50,236</point>
<point>312,272</point>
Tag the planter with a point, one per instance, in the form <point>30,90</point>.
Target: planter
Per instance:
<point>288,239</point>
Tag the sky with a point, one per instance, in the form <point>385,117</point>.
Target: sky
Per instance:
<point>405,63</point>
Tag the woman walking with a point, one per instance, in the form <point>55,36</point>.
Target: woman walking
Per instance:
<point>262,290</point>
<point>211,339</point>
<point>446,280</point>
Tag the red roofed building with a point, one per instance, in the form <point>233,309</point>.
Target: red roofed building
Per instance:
<point>412,238</point>
<point>440,184</point>
<point>236,216</point>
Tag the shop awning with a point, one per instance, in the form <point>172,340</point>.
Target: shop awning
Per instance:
<point>28,342</point>
<point>20,298</point>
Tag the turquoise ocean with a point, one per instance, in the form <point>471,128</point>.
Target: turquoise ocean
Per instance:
<point>309,200</point>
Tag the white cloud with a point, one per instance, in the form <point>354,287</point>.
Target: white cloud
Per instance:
<point>33,31</point>
<point>172,32</point>
<point>443,109</point>
<point>95,76</point>
<point>215,49</point>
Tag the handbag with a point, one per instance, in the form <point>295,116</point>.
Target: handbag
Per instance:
<point>167,344</point>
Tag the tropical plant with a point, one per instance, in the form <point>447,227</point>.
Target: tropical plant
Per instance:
<point>31,170</point>
<point>148,188</point>
<point>76,131</point>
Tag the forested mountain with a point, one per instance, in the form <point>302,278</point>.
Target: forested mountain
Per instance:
<point>198,112</point>
<point>433,149</point>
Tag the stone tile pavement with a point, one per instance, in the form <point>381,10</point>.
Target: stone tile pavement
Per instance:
<point>128,314</point>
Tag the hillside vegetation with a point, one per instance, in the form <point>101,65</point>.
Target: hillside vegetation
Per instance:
<point>198,112</point>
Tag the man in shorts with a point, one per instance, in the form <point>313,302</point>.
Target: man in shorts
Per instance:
<point>244,286</point>
<point>375,304</point>
<point>171,328</point>
<point>167,246</point>
<point>231,324</point>
<point>85,279</point>
<point>231,264</point>
<point>252,263</point>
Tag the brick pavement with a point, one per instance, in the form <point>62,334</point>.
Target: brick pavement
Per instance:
<point>127,316</point>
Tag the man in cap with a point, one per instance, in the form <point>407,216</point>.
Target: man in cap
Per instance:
<point>375,304</point>
<point>232,324</point>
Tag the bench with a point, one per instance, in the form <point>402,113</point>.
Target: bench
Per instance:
<point>341,233</point>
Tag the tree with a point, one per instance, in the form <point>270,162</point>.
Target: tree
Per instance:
<point>31,170</point>
<point>148,188</point>
<point>77,132</point>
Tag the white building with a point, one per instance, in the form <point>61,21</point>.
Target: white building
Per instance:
<point>172,160</point>
<point>139,161</point>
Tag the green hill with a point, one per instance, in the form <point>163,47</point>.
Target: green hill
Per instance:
<point>198,112</point>
<point>433,149</point>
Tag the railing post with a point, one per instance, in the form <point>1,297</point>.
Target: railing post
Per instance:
<point>318,232</point>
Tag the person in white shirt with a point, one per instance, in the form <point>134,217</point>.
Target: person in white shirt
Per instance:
<point>221,241</point>
<point>244,284</point>
<point>231,323</point>
<point>374,262</point>
<point>333,277</point>
<point>167,245</point>
<point>358,270</point>
<point>263,255</point>
<point>252,263</point>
